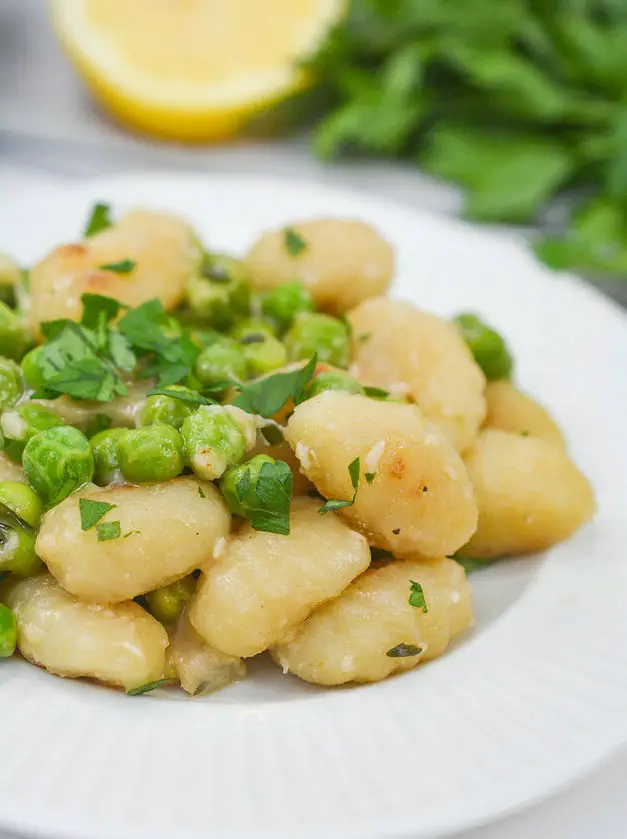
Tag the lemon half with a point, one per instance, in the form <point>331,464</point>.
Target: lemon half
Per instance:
<point>192,69</point>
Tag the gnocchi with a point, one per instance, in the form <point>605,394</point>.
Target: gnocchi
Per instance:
<point>119,644</point>
<point>530,495</point>
<point>407,351</point>
<point>166,531</point>
<point>372,630</point>
<point>261,585</point>
<point>511,410</point>
<point>419,501</point>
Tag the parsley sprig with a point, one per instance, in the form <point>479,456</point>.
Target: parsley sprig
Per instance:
<point>354,469</point>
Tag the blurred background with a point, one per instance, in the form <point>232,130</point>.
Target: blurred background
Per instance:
<point>511,113</point>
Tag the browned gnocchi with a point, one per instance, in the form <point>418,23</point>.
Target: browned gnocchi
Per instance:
<point>418,501</point>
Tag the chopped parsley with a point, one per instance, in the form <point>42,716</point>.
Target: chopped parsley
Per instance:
<point>124,266</point>
<point>294,242</point>
<point>92,511</point>
<point>334,503</point>
<point>189,397</point>
<point>267,396</point>
<point>108,530</point>
<point>168,350</point>
<point>370,476</point>
<point>364,336</point>
<point>404,651</point>
<point>272,435</point>
<point>376,392</point>
<point>266,501</point>
<point>201,493</point>
<point>97,307</point>
<point>469,564</point>
<point>99,219</point>
<point>130,533</point>
<point>417,596</point>
<point>149,686</point>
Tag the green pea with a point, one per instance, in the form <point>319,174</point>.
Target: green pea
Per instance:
<point>17,544</point>
<point>333,381</point>
<point>219,295</point>
<point>8,632</point>
<point>253,327</point>
<point>219,361</point>
<point>10,382</point>
<point>232,478</point>
<point>213,441</point>
<point>14,336</point>
<point>104,448</point>
<point>285,302</point>
<point>31,369</point>
<point>151,454</point>
<point>322,334</point>
<point>22,501</point>
<point>488,348</point>
<point>263,354</point>
<point>164,409</point>
<point>57,462</point>
<point>166,604</point>
<point>30,418</point>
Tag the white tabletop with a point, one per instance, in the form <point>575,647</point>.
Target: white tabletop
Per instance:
<point>49,130</point>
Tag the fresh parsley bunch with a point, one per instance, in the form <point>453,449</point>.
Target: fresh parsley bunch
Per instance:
<point>515,100</point>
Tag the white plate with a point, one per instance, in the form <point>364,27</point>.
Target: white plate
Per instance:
<point>534,698</point>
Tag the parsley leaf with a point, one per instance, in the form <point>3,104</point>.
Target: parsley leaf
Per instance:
<point>267,396</point>
<point>370,476</point>
<point>417,596</point>
<point>184,395</point>
<point>469,564</point>
<point>376,392</point>
<point>92,511</point>
<point>294,242</point>
<point>404,650</point>
<point>99,219</point>
<point>94,305</point>
<point>266,501</point>
<point>108,530</point>
<point>149,686</point>
<point>124,266</point>
<point>69,364</point>
<point>150,332</point>
<point>201,493</point>
<point>334,503</point>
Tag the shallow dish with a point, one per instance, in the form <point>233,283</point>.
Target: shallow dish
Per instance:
<point>533,699</point>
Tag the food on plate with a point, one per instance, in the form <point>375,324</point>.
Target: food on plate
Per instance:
<point>207,458</point>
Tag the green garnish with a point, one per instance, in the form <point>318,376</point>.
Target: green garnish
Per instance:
<point>185,395</point>
<point>97,307</point>
<point>108,530</point>
<point>92,512</point>
<point>376,392</point>
<point>469,564</point>
<point>124,266</point>
<point>149,686</point>
<point>364,336</point>
<point>267,396</point>
<point>294,242</point>
<point>266,498</point>
<point>370,476</point>
<point>404,651</point>
<point>417,596</point>
<point>131,533</point>
<point>272,434</point>
<point>99,219</point>
<point>168,350</point>
<point>334,503</point>
<point>201,493</point>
